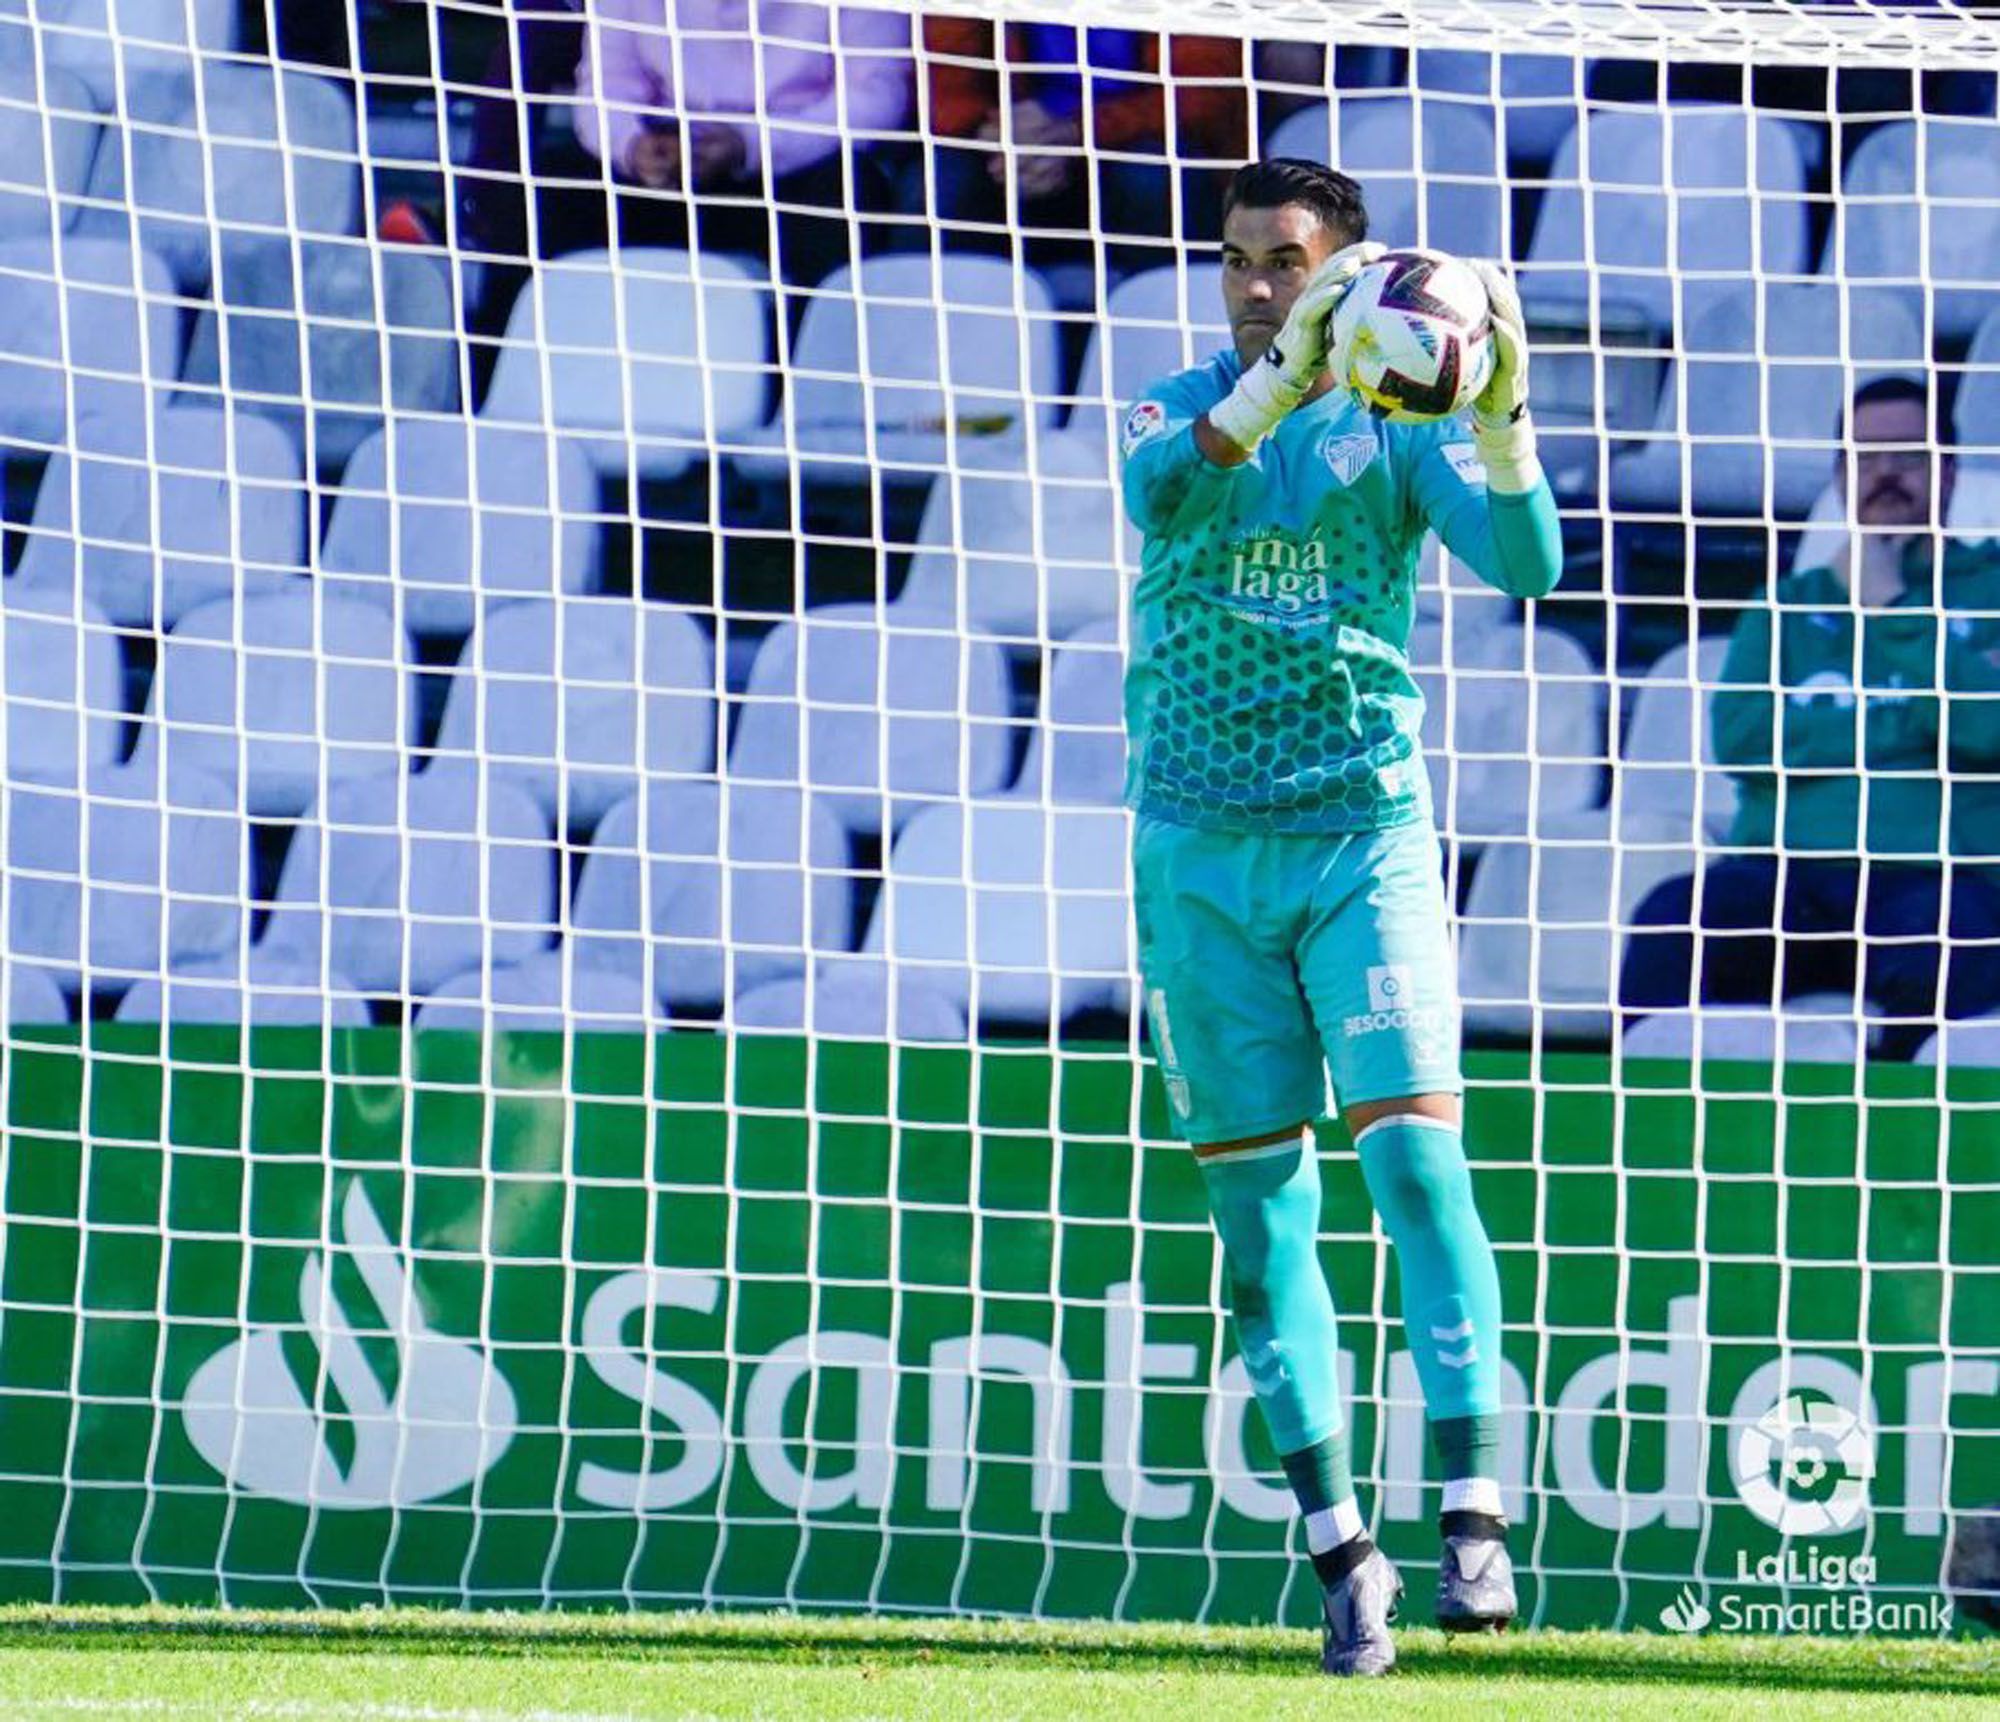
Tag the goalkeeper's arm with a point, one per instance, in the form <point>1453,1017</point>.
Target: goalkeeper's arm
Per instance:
<point>1511,535</point>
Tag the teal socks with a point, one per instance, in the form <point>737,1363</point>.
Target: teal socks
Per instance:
<point>1417,1175</point>
<point>1266,1207</point>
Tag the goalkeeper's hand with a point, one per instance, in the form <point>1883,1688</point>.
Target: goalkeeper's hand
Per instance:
<point>1502,431</point>
<point>1297,356</point>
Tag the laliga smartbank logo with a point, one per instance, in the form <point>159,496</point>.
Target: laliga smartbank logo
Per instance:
<point>1838,1599</point>
<point>1804,1468</point>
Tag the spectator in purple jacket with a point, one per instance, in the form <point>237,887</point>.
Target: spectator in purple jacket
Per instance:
<point>736,112</point>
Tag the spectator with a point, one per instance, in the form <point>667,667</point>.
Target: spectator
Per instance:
<point>705,110</point>
<point>1861,720</point>
<point>1102,102</point>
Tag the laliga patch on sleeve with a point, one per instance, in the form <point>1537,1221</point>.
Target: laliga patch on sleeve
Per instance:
<point>1144,422</point>
<point>1464,460</point>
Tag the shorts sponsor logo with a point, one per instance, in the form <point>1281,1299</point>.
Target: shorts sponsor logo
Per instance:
<point>1392,1009</point>
<point>1144,422</point>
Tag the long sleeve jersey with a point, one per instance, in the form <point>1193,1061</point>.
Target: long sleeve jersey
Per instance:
<point>1269,688</point>
<point>1846,728</point>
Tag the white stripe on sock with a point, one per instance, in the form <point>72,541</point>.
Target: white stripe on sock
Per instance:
<point>1340,1523</point>
<point>1473,1495</point>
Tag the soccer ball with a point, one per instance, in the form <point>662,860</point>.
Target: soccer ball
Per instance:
<point>1418,335</point>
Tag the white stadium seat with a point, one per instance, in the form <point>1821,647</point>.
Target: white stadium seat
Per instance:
<point>581,699</point>
<point>1809,1029</point>
<point>1430,166</point>
<point>1543,929</point>
<point>1767,373</point>
<point>401,882</point>
<point>1667,766</point>
<point>1155,323</point>
<point>644,359</point>
<point>155,519</point>
<point>877,710</point>
<point>1924,215</point>
<point>1076,751</point>
<point>1013,911</point>
<point>254,986</point>
<point>109,881</point>
<point>1970,1044</point>
<point>855,1000</point>
<point>1026,556</point>
<point>700,907</point>
<point>474,513</point>
<point>65,685</point>
<point>280,696</point>
<point>882,388</point>
<point>548,994</point>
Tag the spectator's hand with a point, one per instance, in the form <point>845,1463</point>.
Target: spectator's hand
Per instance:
<point>719,156</point>
<point>1038,176</point>
<point>654,160</point>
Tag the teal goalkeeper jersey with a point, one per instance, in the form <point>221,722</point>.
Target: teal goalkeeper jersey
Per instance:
<point>1268,689</point>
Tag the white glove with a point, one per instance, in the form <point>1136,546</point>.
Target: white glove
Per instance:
<point>1502,431</point>
<point>1296,357</point>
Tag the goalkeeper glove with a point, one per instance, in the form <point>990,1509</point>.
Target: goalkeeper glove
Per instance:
<point>1296,357</point>
<point>1502,431</point>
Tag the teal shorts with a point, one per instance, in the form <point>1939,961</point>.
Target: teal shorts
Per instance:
<point>1270,960</point>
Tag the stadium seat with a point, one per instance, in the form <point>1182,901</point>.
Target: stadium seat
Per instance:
<point>1543,928</point>
<point>1809,1029</point>
<point>65,685</point>
<point>34,999</point>
<point>112,44</point>
<point>1974,513</point>
<point>1667,768</point>
<point>646,361</point>
<point>253,985</point>
<point>853,1001</point>
<point>1976,414</point>
<point>1684,202</point>
<point>156,518</point>
<point>1971,1044</point>
<point>701,912</point>
<point>878,390</point>
<point>877,710</point>
<point>280,695</point>
<point>301,332</point>
<point>1933,225</point>
<point>1767,371</point>
<point>1155,323</point>
<point>1076,751</point>
<point>1430,167</point>
<point>107,884</point>
<point>1499,761</point>
<point>48,138</point>
<point>1539,96</point>
<point>88,328</point>
<point>548,994</point>
<point>1026,556</point>
<point>188,174</point>
<point>579,699</point>
<point>1012,910</point>
<point>477,513</point>
<point>404,881</point>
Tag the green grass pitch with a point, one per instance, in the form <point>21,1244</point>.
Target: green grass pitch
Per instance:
<point>418,1666</point>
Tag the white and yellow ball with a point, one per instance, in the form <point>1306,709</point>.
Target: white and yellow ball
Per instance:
<point>1417,335</point>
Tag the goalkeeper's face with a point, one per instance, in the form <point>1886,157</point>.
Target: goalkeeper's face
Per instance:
<point>1268,256</point>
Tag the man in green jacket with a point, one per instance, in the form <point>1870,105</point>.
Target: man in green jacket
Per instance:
<point>1860,717</point>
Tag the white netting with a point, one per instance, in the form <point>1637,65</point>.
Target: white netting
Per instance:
<point>455,584</point>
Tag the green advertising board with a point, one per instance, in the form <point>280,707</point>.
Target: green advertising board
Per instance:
<point>529,1319</point>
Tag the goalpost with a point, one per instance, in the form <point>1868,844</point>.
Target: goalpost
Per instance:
<point>643,756</point>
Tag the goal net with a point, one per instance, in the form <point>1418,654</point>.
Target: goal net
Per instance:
<point>571,1033</point>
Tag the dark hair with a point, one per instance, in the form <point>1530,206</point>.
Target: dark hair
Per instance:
<point>1886,389</point>
<point>1272,184</point>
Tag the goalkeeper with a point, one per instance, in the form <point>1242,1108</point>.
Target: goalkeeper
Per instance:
<point>1287,874</point>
